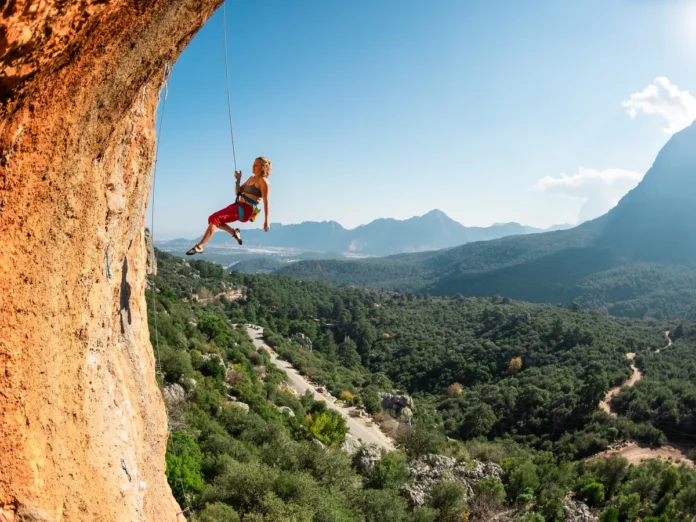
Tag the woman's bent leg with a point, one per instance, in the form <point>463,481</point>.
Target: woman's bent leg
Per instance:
<point>208,234</point>
<point>220,219</point>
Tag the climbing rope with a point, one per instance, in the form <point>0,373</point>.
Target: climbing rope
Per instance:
<point>167,74</point>
<point>227,80</point>
<point>165,80</point>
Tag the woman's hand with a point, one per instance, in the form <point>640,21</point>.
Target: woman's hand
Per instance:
<point>266,226</point>
<point>238,175</point>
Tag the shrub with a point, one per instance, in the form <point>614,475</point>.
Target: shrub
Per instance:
<point>346,396</point>
<point>183,459</point>
<point>611,514</point>
<point>329,427</point>
<point>593,493</point>
<point>449,497</point>
<point>390,472</point>
<point>217,512</point>
<point>454,389</point>
<point>372,403</point>
<point>515,365</point>
<point>491,489</point>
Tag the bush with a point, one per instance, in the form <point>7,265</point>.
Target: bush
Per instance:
<point>419,441</point>
<point>390,472</point>
<point>329,427</point>
<point>515,365</point>
<point>449,498</point>
<point>454,389</point>
<point>611,514</point>
<point>629,506</point>
<point>593,493</point>
<point>425,514</point>
<point>183,459</point>
<point>372,403</point>
<point>346,396</point>
<point>217,512</point>
<point>383,506</point>
<point>521,476</point>
<point>491,489</point>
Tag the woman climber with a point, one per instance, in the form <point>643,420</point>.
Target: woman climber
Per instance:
<point>245,207</point>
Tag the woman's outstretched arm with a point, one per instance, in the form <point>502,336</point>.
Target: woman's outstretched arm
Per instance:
<point>265,187</point>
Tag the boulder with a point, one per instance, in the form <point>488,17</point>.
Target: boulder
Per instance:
<point>576,511</point>
<point>350,445</point>
<point>241,405</point>
<point>366,458</point>
<point>286,410</point>
<point>173,394</point>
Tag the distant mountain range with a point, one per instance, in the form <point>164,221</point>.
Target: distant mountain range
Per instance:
<point>637,260</point>
<point>432,231</point>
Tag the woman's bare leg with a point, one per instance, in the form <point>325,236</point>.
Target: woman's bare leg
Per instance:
<point>229,230</point>
<point>208,234</point>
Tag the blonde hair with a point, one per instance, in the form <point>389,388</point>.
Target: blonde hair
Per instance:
<point>266,166</point>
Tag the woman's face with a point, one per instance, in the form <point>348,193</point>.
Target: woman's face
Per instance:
<point>257,169</point>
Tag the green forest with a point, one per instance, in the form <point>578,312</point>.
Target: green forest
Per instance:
<point>492,379</point>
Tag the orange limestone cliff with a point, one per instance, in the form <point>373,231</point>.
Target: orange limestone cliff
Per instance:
<point>83,428</point>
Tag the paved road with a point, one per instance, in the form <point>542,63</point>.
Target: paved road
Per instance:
<point>359,428</point>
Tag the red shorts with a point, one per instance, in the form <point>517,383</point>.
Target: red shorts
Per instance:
<point>235,212</point>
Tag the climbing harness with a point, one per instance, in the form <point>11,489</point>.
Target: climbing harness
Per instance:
<point>254,205</point>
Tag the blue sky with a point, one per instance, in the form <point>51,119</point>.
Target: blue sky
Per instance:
<point>539,112</point>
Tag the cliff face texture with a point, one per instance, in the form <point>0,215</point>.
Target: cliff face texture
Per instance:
<point>83,428</point>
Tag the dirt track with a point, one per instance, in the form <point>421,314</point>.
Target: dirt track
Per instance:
<point>635,452</point>
<point>362,429</point>
<point>635,377</point>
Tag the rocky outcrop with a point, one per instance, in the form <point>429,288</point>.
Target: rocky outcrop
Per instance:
<point>351,445</point>
<point>576,511</point>
<point>174,395</point>
<point>401,404</point>
<point>79,403</point>
<point>151,260</point>
<point>366,458</point>
<point>286,410</point>
<point>430,470</point>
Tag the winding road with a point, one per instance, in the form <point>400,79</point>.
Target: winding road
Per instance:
<point>635,377</point>
<point>362,429</point>
<point>634,452</point>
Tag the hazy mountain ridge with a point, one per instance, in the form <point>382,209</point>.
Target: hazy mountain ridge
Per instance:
<point>651,231</point>
<point>384,236</point>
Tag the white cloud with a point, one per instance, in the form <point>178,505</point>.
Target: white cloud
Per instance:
<point>598,190</point>
<point>664,99</point>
